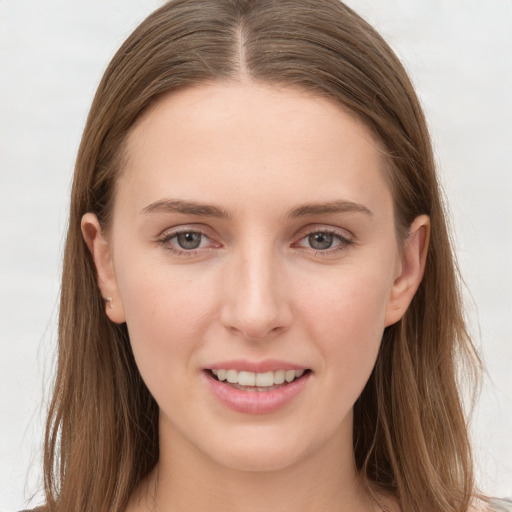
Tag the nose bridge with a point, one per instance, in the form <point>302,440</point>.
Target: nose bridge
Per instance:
<point>255,303</point>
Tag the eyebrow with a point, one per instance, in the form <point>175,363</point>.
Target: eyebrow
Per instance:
<point>339,206</point>
<point>186,207</point>
<point>207,210</point>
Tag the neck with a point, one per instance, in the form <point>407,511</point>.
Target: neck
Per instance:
<point>186,479</point>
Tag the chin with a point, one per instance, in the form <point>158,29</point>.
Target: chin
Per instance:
<point>258,459</point>
<point>262,449</point>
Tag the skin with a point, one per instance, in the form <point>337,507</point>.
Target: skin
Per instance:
<point>255,289</point>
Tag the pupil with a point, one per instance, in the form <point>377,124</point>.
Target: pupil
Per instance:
<point>320,240</point>
<point>189,240</point>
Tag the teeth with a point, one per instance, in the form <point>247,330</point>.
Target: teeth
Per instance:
<point>289,375</point>
<point>232,376</point>
<point>247,379</point>
<point>264,380</point>
<point>279,376</point>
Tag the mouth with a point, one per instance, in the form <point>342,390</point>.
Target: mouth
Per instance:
<point>257,382</point>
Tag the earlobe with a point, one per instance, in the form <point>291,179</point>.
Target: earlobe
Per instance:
<point>412,268</point>
<point>102,257</point>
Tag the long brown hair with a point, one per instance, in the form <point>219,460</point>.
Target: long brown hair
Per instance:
<point>410,434</point>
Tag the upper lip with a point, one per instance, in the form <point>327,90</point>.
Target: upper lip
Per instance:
<point>268,365</point>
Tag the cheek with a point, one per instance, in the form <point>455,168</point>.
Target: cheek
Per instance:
<point>166,312</point>
<point>346,317</point>
<point>349,300</point>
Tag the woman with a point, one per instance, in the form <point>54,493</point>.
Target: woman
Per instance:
<point>259,304</point>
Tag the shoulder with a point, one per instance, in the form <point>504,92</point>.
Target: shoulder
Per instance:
<point>492,505</point>
<point>504,505</point>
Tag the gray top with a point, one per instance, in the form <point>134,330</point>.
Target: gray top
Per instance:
<point>504,505</point>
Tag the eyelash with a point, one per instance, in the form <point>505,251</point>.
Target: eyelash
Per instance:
<point>344,242</point>
<point>169,235</point>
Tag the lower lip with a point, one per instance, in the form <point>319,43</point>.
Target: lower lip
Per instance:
<point>256,402</point>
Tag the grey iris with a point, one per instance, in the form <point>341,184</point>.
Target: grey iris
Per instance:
<point>189,240</point>
<point>320,241</point>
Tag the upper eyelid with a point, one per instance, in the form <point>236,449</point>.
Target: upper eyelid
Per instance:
<point>343,240</point>
<point>308,230</point>
<point>299,235</point>
<point>188,228</point>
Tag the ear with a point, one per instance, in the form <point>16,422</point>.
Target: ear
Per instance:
<point>411,269</point>
<point>102,257</point>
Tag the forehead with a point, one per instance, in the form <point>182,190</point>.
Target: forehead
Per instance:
<point>251,106</point>
<point>250,138</point>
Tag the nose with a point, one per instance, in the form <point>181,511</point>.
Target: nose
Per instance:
<point>256,305</point>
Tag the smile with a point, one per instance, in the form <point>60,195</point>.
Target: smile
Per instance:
<point>257,392</point>
<point>256,381</point>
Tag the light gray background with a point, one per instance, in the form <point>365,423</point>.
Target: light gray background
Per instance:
<point>52,55</point>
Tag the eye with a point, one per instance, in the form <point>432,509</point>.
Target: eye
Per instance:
<point>186,241</point>
<point>324,241</point>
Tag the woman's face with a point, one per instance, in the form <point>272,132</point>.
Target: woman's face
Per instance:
<point>253,241</point>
